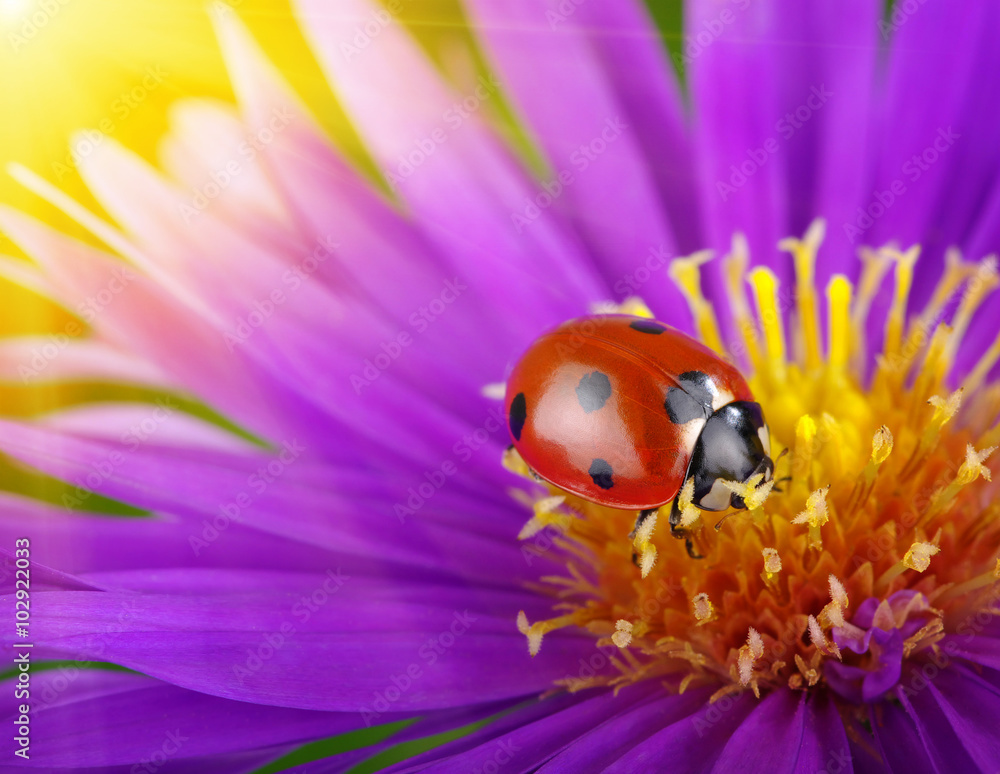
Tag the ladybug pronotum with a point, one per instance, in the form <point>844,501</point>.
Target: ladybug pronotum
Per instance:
<point>622,411</point>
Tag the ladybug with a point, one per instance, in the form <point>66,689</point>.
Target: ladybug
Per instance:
<point>622,411</point>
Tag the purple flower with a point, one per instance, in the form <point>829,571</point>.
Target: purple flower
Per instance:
<point>346,550</point>
<point>879,631</point>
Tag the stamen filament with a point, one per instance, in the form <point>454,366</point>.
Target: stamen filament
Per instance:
<point>686,274</point>
<point>838,294</point>
<point>956,272</point>
<point>875,264</point>
<point>765,285</point>
<point>897,314</point>
<point>971,469</point>
<point>804,254</point>
<point>978,375</point>
<point>983,282</point>
<point>735,265</point>
<point>984,580</point>
<point>802,454</point>
<point>944,410</point>
<point>881,449</point>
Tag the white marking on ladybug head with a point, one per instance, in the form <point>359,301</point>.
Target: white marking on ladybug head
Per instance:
<point>765,438</point>
<point>717,498</point>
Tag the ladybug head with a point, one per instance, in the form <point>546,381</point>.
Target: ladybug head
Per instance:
<point>733,446</point>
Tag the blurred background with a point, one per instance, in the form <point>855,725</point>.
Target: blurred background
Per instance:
<point>117,66</point>
<point>75,71</point>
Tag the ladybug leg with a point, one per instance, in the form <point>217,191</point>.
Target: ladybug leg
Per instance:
<point>675,519</point>
<point>643,515</point>
<point>679,532</point>
<point>535,476</point>
<point>640,520</point>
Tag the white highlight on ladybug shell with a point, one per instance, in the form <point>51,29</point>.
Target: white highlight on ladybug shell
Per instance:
<point>720,397</point>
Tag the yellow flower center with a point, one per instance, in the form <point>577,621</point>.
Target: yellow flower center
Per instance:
<point>886,489</point>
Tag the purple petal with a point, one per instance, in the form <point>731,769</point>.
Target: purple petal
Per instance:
<point>939,742</point>
<point>316,642</point>
<point>135,320</point>
<point>929,81</point>
<point>842,52</point>
<point>80,542</point>
<point>865,755</point>
<point>521,743</point>
<point>780,94</point>
<point>605,742</point>
<point>783,89</point>
<point>381,262</point>
<point>293,383</point>
<point>691,744</point>
<point>128,424</point>
<point>199,484</point>
<point>899,743</point>
<point>867,685</point>
<point>974,715</point>
<point>31,359</point>
<point>734,86</point>
<point>463,191</point>
<point>36,575</point>
<point>635,64</point>
<point>205,136</point>
<point>89,717</point>
<point>780,718</point>
<point>963,215</point>
<point>977,649</point>
<point>824,741</point>
<point>600,176</point>
<point>428,725</point>
<point>233,763</point>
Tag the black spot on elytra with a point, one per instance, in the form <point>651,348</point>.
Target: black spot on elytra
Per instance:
<point>600,471</point>
<point>692,400</point>
<point>648,326</point>
<point>593,391</point>
<point>698,385</point>
<point>518,415</point>
<point>681,407</point>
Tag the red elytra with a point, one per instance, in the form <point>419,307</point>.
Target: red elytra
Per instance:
<point>612,408</point>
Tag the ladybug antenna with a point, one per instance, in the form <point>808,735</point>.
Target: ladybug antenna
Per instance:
<point>779,481</point>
